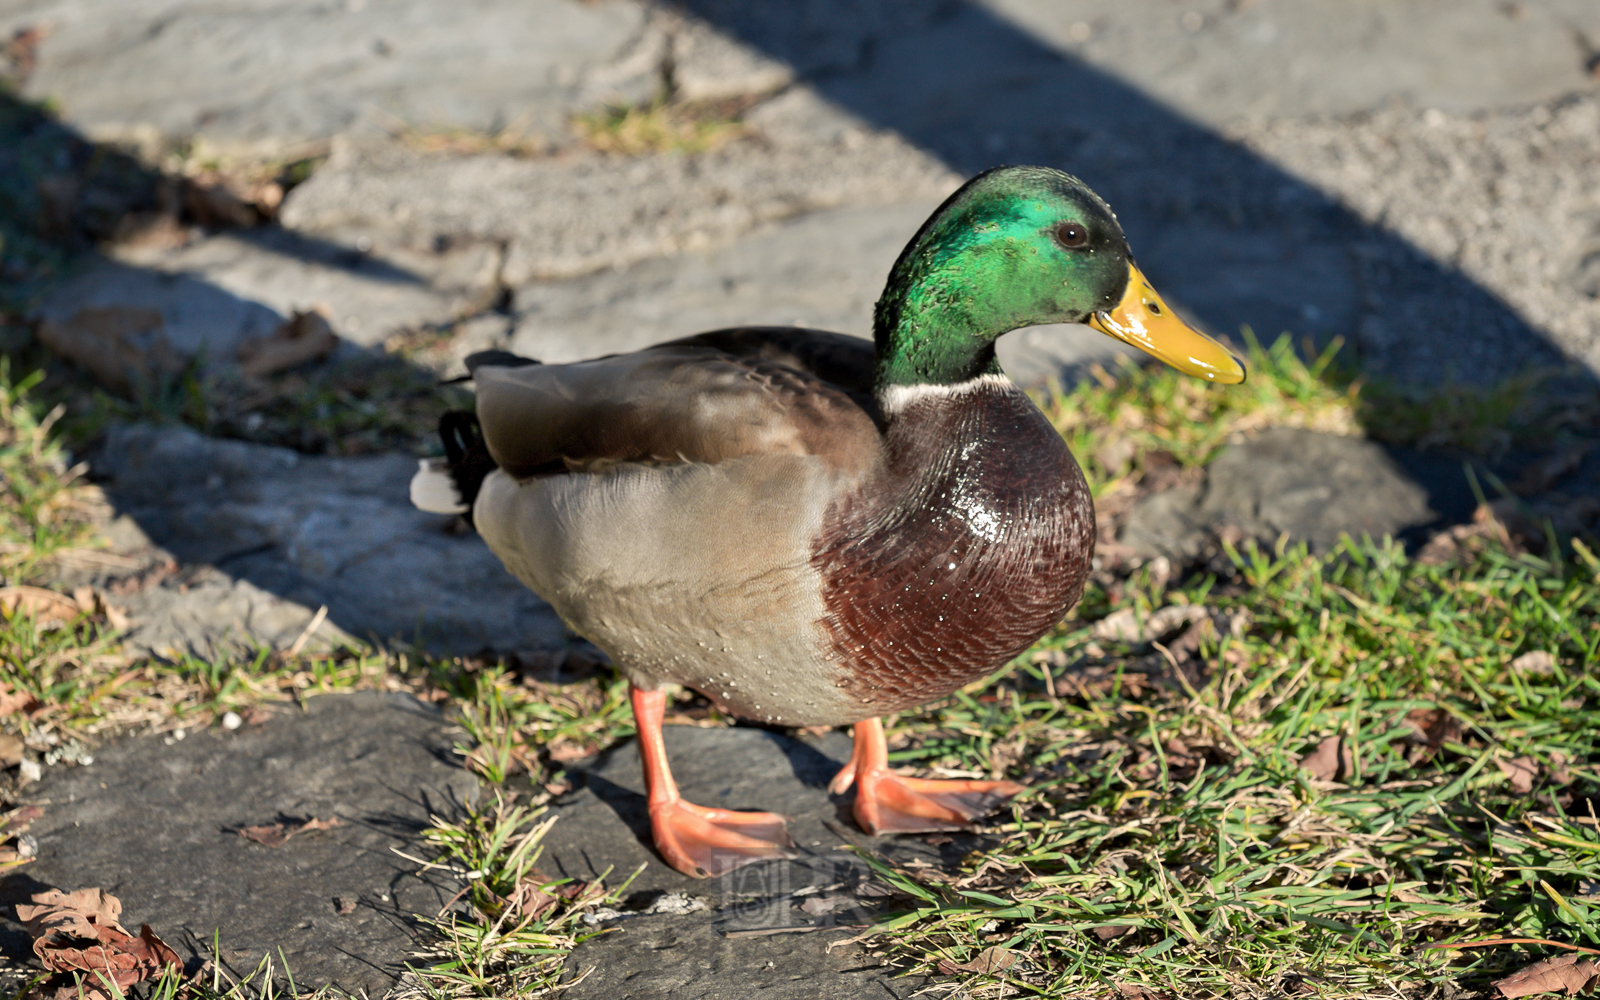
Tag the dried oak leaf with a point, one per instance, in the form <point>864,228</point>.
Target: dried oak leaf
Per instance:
<point>17,701</point>
<point>305,336</point>
<point>1522,771</point>
<point>123,347</point>
<point>278,834</point>
<point>1434,727</point>
<point>10,750</point>
<point>78,932</point>
<point>990,960</point>
<point>39,604</point>
<point>1331,760</point>
<point>1570,974</point>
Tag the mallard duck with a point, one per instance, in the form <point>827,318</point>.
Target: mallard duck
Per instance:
<point>810,529</point>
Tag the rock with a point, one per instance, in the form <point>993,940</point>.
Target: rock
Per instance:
<point>661,956</point>
<point>206,612</point>
<point>1314,487</point>
<point>280,526</point>
<point>1288,61</point>
<point>581,212</point>
<point>179,316</point>
<point>125,348</point>
<point>370,290</point>
<point>605,824</point>
<point>243,73</point>
<point>153,821</point>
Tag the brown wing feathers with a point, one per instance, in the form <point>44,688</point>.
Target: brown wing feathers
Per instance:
<point>707,398</point>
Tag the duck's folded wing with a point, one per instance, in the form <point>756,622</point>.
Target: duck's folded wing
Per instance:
<point>709,398</point>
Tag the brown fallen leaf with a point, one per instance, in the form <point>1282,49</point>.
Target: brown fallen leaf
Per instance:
<point>564,752</point>
<point>1433,727</point>
<point>278,834</point>
<point>123,347</point>
<point>304,337</point>
<point>78,932</point>
<point>10,750</point>
<point>42,605</point>
<point>17,701</point>
<point>990,960</point>
<point>21,52</point>
<point>344,905</point>
<point>1569,974</point>
<point>1110,932</point>
<point>222,200</point>
<point>1523,772</point>
<point>1331,760</point>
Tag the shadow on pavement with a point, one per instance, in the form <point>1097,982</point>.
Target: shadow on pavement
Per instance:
<point>1231,237</point>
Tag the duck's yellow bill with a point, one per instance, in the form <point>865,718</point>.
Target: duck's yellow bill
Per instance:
<point>1144,321</point>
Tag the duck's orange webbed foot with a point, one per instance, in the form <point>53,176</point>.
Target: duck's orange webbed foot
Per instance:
<point>698,841</point>
<point>706,843</point>
<point>889,803</point>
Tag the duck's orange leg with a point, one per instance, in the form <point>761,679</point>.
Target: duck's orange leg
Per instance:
<point>700,842</point>
<point>888,803</point>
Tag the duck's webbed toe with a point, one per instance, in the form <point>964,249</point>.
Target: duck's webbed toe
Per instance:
<point>706,843</point>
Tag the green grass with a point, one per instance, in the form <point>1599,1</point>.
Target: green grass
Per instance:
<point>515,927</point>
<point>1123,425</point>
<point>662,126</point>
<point>1172,841</point>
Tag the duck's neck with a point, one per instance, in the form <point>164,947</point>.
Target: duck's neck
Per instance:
<point>936,327</point>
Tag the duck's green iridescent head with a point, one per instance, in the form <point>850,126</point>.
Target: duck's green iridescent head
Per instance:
<point>1016,247</point>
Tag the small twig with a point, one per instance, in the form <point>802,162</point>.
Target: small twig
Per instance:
<point>316,620</point>
<point>1489,942</point>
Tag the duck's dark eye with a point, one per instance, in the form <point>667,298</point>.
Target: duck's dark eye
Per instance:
<point>1071,234</point>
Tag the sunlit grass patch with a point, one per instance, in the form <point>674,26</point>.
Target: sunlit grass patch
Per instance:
<point>41,508</point>
<point>1116,421</point>
<point>1178,842</point>
<point>1123,424</point>
<point>662,126</point>
<point>515,927</point>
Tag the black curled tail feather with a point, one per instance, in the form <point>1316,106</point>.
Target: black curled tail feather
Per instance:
<point>467,455</point>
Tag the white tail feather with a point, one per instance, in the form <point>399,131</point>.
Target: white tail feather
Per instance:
<point>433,490</point>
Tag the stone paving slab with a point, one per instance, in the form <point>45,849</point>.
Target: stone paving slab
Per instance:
<point>1310,486</point>
<point>152,821</point>
<point>583,211</point>
<point>275,73</point>
<point>372,291</point>
<point>1206,126</point>
<point>313,531</point>
<point>605,824</point>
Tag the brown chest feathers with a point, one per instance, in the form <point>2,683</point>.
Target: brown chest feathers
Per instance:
<point>974,541</point>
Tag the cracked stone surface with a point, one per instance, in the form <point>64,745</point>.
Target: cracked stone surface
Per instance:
<point>274,73</point>
<point>309,531</point>
<point>725,949</point>
<point>153,821</point>
<point>1310,486</point>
